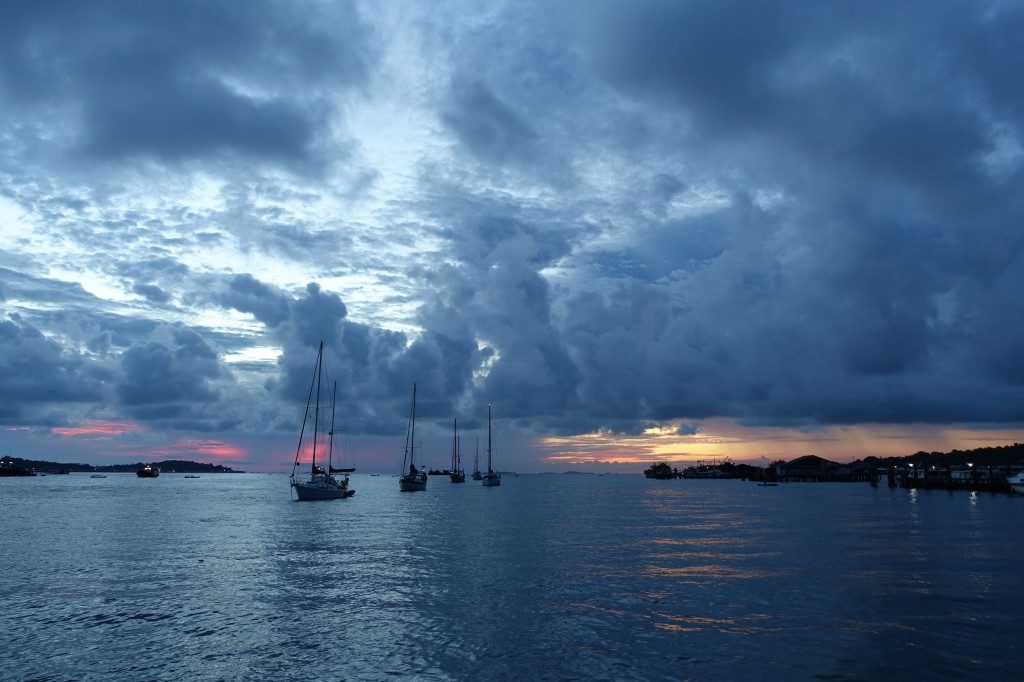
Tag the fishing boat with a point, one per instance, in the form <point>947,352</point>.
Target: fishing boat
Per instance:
<point>476,462</point>
<point>458,474</point>
<point>492,477</point>
<point>1016,483</point>
<point>321,484</point>
<point>412,479</point>
<point>148,471</point>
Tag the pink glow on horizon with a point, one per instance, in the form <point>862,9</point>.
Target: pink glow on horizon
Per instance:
<point>98,428</point>
<point>216,449</point>
<point>184,448</point>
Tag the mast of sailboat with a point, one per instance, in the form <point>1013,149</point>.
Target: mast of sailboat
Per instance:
<point>410,434</point>
<point>305,416</point>
<point>488,439</point>
<point>412,438</point>
<point>455,447</point>
<point>330,446</point>
<point>316,415</point>
<point>476,456</point>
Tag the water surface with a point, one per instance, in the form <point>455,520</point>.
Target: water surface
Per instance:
<point>547,577</point>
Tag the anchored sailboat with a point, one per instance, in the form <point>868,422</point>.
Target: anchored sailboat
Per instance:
<point>492,477</point>
<point>458,473</point>
<point>322,485</point>
<point>412,479</point>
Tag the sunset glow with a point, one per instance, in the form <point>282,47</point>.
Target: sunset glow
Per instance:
<point>721,439</point>
<point>98,429</point>
<point>183,448</point>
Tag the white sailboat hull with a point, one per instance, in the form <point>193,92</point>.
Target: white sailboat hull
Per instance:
<point>492,479</point>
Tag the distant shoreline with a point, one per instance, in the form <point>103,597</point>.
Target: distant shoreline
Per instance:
<point>169,466</point>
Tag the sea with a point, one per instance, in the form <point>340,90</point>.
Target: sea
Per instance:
<point>547,577</point>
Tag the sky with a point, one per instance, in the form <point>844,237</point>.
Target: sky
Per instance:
<point>656,231</point>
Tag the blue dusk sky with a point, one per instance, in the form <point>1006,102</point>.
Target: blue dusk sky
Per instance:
<point>642,230</point>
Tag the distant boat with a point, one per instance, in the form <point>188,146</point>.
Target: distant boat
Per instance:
<point>413,479</point>
<point>98,476</point>
<point>458,474</point>
<point>765,484</point>
<point>191,476</point>
<point>321,485</point>
<point>476,462</point>
<point>148,471</point>
<point>491,478</point>
<point>1017,483</point>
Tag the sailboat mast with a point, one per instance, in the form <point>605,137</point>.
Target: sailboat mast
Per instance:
<point>410,435</point>
<point>488,438</point>
<point>316,414</point>
<point>305,417</point>
<point>330,447</point>
<point>455,451</point>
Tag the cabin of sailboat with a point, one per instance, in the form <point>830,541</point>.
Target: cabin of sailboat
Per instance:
<point>412,478</point>
<point>321,484</point>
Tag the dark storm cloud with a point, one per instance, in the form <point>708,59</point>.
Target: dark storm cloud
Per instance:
<point>183,80</point>
<point>488,127</point>
<point>855,263</point>
<point>158,373</point>
<point>248,295</point>
<point>152,293</point>
<point>36,373</point>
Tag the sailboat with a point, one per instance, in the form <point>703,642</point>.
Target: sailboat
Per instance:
<point>491,477</point>
<point>476,462</point>
<point>458,473</point>
<point>411,479</point>
<point>321,485</point>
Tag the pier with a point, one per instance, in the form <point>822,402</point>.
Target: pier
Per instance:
<point>990,479</point>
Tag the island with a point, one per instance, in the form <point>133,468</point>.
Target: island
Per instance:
<point>180,466</point>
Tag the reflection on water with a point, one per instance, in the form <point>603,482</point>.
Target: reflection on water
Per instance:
<point>609,577</point>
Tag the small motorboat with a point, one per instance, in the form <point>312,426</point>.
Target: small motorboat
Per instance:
<point>98,476</point>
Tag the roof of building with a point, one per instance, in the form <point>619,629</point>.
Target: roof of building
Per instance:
<point>812,461</point>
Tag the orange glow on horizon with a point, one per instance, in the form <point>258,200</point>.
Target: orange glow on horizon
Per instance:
<point>722,438</point>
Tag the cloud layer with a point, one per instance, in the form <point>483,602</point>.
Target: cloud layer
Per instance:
<point>592,216</point>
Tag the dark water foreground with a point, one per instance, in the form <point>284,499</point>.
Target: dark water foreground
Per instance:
<point>556,577</point>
